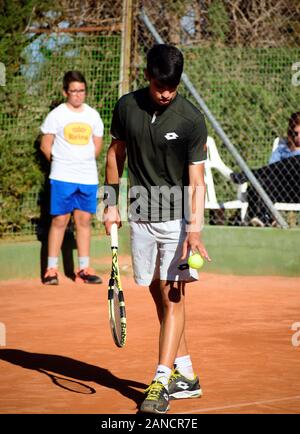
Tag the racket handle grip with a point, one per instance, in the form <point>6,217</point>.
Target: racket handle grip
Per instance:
<point>114,235</point>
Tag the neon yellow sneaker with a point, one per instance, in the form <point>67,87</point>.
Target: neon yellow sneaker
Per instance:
<point>157,400</point>
<point>181,387</point>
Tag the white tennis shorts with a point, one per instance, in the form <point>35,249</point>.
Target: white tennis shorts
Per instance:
<point>156,249</point>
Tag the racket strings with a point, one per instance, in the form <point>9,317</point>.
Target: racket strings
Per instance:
<point>117,303</point>
<point>117,312</point>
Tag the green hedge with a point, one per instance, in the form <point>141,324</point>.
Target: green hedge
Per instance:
<point>240,251</point>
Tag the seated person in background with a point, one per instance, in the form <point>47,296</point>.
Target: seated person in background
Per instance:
<point>280,179</point>
<point>290,146</point>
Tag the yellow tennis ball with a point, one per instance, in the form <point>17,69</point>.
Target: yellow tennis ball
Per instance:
<point>195,261</point>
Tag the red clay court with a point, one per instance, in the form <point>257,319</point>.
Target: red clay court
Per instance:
<point>60,357</point>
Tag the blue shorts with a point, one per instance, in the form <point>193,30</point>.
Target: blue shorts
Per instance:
<point>67,196</point>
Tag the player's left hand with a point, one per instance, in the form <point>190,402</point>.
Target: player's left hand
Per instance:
<point>193,242</point>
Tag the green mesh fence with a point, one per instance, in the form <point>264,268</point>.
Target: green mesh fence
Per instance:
<point>33,93</point>
<point>250,93</point>
<point>241,57</point>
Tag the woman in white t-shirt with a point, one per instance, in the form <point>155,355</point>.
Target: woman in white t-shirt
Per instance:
<point>72,140</point>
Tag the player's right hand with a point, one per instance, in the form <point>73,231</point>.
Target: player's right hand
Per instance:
<point>111,215</point>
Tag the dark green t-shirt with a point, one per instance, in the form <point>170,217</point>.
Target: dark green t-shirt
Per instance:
<point>161,143</point>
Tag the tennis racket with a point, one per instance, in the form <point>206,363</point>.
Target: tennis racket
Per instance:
<point>116,303</point>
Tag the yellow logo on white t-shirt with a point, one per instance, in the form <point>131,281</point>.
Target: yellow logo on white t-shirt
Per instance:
<point>77,133</point>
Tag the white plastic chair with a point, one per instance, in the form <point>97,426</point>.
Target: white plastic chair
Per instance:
<point>214,161</point>
<point>275,144</point>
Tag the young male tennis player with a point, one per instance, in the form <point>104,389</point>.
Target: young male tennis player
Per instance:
<point>164,137</point>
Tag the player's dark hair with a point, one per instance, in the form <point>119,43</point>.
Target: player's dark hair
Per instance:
<point>165,64</point>
<point>294,121</point>
<point>72,76</point>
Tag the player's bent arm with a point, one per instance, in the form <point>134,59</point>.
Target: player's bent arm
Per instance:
<point>115,159</point>
<point>196,198</point>
<point>98,142</point>
<point>197,189</point>
<point>46,145</point>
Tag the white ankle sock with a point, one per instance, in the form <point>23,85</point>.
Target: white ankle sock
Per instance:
<point>184,365</point>
<point>162,374</point>
<point>52,262</point>
<point>84,262</point>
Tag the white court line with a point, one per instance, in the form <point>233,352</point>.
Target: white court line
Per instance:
<point>240,405</point>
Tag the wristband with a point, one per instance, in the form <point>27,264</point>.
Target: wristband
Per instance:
<point>111,194</point>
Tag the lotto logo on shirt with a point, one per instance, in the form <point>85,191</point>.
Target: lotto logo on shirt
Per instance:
<point>77,134</point>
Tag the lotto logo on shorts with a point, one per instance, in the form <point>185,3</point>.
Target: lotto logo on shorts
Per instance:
<point>2,335</point>
<point>171,136</point>
<point>77,134</point>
